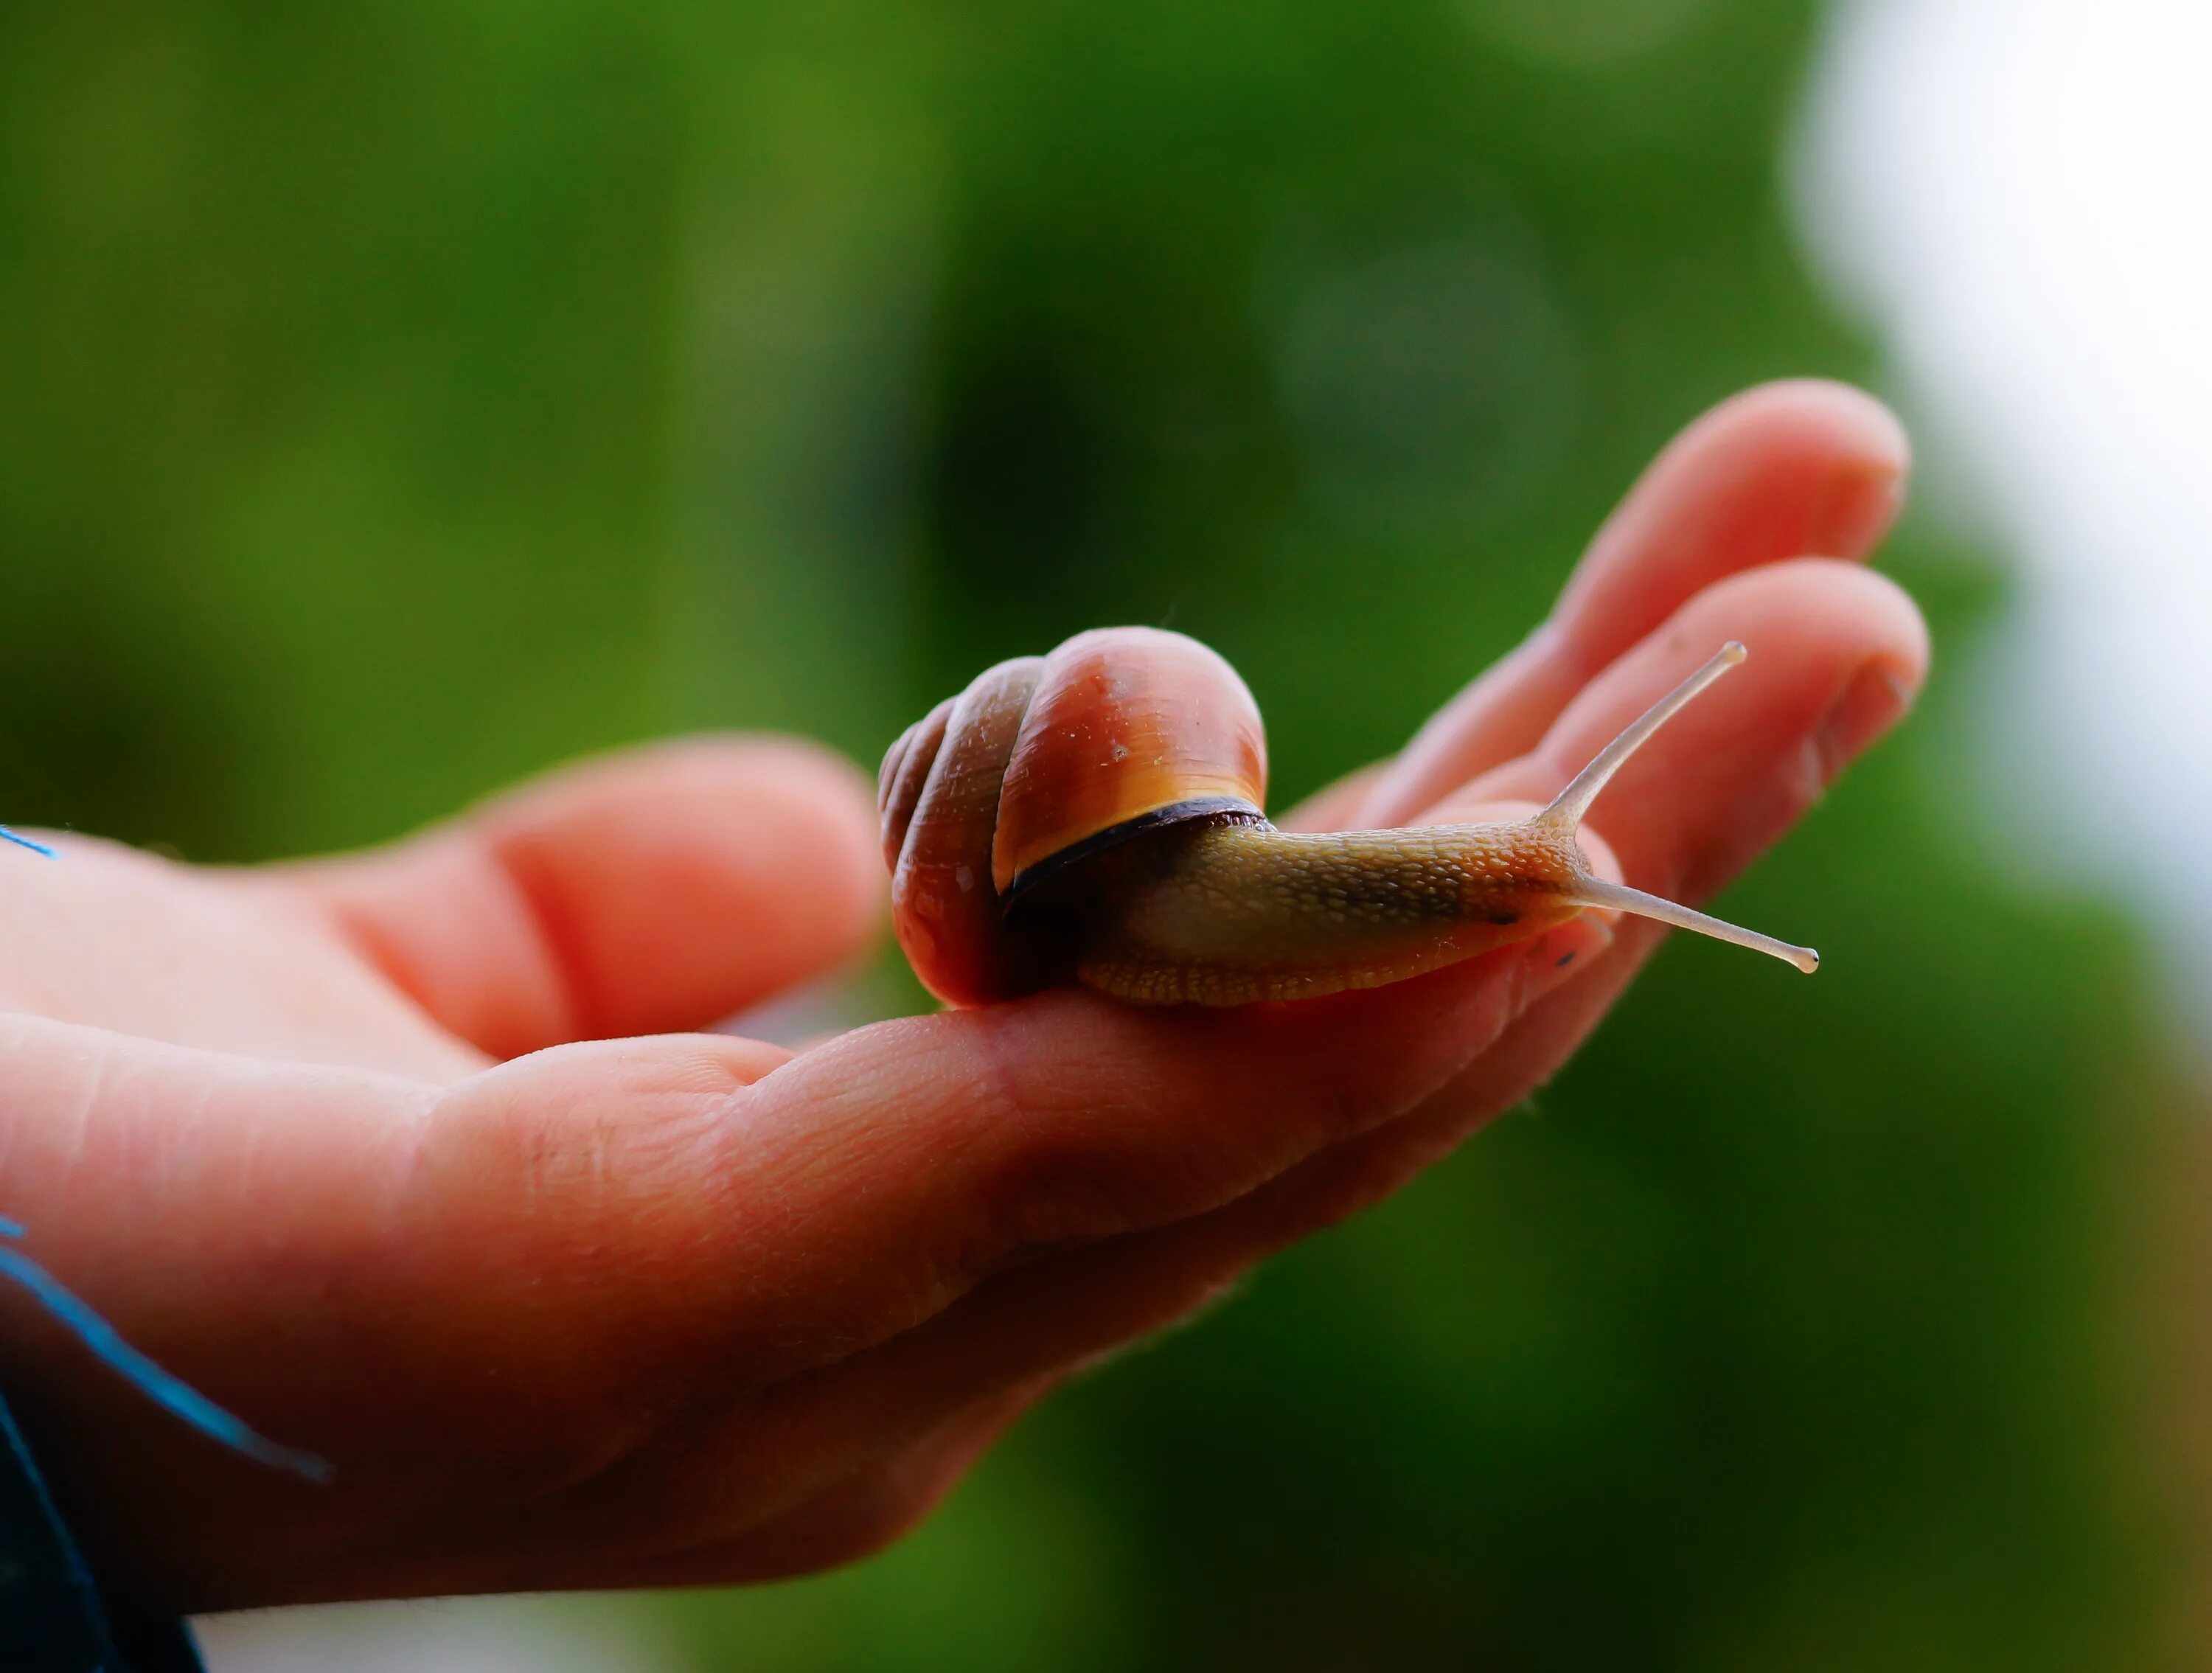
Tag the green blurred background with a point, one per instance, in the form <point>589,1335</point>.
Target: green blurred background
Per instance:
<point>397,397</point>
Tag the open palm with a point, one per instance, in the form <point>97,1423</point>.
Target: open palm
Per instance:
<point>396,1155</point>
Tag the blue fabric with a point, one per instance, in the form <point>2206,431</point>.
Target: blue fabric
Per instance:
<point>52,1618</point>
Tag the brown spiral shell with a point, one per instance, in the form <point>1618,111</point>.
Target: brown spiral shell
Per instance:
<point>1040,764</point>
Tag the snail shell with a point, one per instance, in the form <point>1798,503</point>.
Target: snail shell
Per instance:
<point>1042,763</point>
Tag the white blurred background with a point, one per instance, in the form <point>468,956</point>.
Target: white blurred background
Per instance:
<point>461,1635</point>
<point>2016,195</point>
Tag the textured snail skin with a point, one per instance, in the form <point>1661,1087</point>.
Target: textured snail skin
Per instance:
<point>1229,914</point>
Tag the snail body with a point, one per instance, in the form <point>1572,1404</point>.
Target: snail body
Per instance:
<point>1095,815</point>
<point>1228,913</point>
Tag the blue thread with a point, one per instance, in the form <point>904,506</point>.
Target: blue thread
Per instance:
<point>176,1396</point>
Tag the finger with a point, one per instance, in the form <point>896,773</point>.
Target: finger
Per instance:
<point>690,1542</point>
<point>1330,1188</point>
<point>1837,654</point>
<point>1337,806</point>
<point>660,890</point>
<point>1780,471</point>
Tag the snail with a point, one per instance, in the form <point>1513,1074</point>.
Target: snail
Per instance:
<point>1094,815</point>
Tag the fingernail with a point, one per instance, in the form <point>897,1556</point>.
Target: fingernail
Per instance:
<point>1876,700</point>
<point>1862,501</point>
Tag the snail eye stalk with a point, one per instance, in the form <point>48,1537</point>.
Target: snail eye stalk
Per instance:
<point>1565,814</point>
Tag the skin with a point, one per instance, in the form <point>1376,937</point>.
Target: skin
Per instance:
<point>359,1148</point>
<point>1229,914</point>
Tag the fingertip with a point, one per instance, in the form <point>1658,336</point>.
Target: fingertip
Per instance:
<point>1796,466</point>
<point>1817,417</point>
<point>1853,449</point>
<point>1814,627</point>
<point>1819,608</point>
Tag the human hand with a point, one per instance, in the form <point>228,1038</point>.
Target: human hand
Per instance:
<point>347,1145</point>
